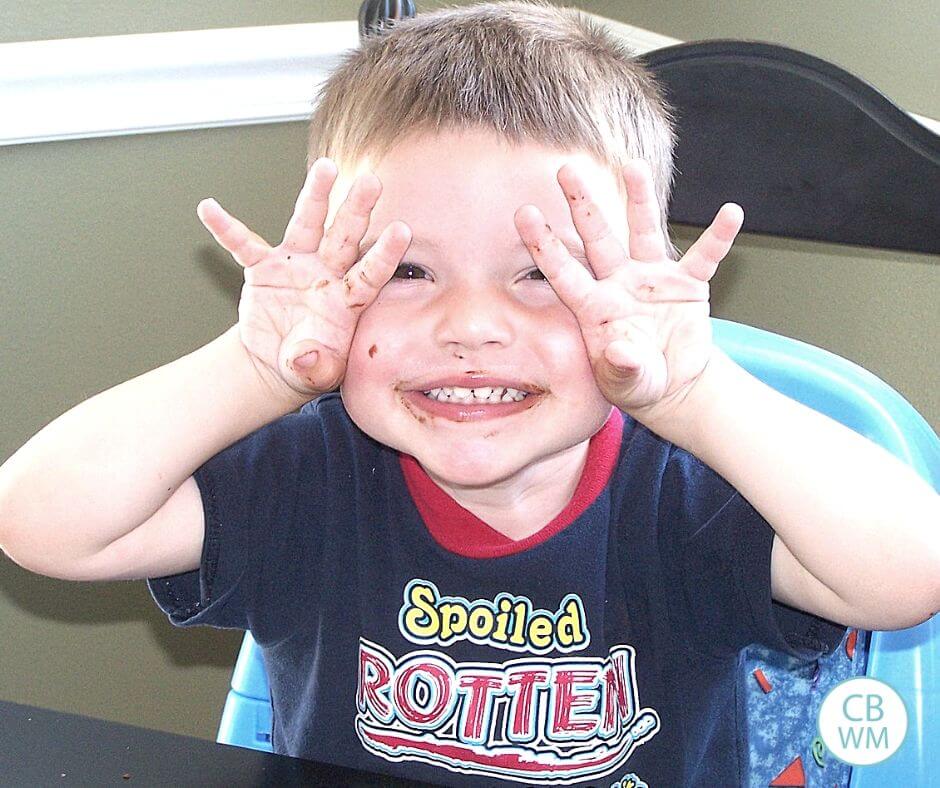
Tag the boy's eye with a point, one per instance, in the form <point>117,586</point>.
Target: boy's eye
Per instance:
<point>537,275</point>
<point>409,271</point>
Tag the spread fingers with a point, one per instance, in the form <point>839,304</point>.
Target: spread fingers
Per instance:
<point>569,277</point>
<point>340,246</point>
<point>647,242</point>
<point>305,229</point>
<point>703,257</point>
<point>604,251</point>
<point>245,246</point>
<point>368,276</point>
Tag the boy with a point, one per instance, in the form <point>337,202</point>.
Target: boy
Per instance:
<point>527,539</point>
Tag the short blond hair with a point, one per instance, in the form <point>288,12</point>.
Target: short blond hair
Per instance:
<point>531,71</point>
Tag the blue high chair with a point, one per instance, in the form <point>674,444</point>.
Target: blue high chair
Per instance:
<point>782,722</point>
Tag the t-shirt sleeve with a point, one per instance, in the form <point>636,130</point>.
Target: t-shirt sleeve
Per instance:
<point>717,549</point>
<point>252,538</point>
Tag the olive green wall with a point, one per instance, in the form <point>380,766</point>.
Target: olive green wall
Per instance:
<point>107,273</point>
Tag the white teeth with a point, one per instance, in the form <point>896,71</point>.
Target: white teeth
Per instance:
<point>488,394</point>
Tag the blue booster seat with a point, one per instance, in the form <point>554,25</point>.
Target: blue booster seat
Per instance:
<point>781,697</point>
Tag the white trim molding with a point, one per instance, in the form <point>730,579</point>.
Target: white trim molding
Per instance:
<point>138,84</point>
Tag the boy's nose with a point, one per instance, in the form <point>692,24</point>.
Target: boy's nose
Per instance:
<point>472,318</point>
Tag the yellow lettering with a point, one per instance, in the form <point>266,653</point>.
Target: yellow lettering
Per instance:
<point>540,631</point>
<point>520,613</point>
<point>421,618</point>
<point>509,621</point>
<point>570,626</point>
<point>481,621</point>
<point>453,619</point>
<point>502,621</point>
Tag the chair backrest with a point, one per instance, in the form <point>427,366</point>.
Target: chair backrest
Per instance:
<point>908,660</point>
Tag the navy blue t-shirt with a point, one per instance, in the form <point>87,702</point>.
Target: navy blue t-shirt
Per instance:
<point>402,635</point>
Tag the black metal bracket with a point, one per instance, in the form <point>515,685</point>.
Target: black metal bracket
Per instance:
<point>375,15</point>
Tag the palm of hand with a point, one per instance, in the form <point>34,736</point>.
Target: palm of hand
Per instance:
<point>656,346</point>
<point>287,293</point>
<point>643,316</point>
<point>306,294</point>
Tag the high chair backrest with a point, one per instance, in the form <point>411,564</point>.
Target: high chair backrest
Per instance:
<point>908,660</point>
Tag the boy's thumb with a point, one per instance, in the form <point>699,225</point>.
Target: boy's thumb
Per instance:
<point>318,368</point>
<point>307,360</point>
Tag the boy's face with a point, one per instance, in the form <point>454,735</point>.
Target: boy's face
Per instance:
<point>468,307</point>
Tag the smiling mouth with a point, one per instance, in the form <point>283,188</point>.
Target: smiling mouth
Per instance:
<point>482,395</point>
<point>462,405</point>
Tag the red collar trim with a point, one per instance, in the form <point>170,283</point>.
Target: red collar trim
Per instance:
<point>460,531</point>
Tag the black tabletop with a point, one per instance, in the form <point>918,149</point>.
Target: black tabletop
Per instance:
<point>40,747</point>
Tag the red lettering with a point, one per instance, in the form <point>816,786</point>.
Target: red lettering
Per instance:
<point>567,701</point>
<point>439,698</point>
<point>478,687</point>
<point>374,673</point>
<point>523,720</point>
<point>618,705</point>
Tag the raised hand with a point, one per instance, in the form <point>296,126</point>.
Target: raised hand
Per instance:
<point>301,300</point>
<point>643,316</point>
